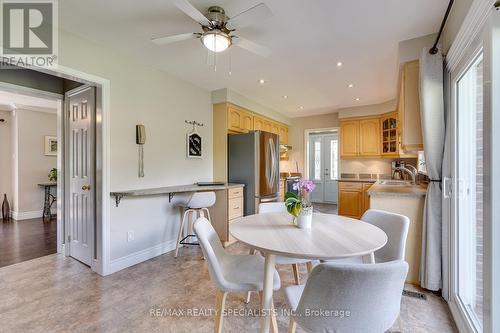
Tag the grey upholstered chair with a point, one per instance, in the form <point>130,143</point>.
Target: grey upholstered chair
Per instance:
<point>230,272</point>
<point>360,298</point>
<point>395,226</point>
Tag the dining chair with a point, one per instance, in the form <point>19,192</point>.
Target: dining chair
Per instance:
<point>231,272</point>
<point>353,298</point>
<point>395,226</point>
<point>279,207</point>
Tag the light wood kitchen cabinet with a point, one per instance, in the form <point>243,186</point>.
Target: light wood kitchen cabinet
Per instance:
<point>409,108</point>
<point>350,199</point>
<point>239,120</point>
<point>389,126</point>
<point>369,137</point>
<point>230,119</point>
<point>353,199</point>
<point>360,137</point>
<point>366,198</point>
<point>349,138</point>
<point>227,209</point>
<point>283,133</point>
<point>258,123</point>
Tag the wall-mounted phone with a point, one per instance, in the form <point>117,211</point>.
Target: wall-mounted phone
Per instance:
<point>140,139</point>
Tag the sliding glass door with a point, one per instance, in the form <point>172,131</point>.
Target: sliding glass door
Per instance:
<point>469,194</point>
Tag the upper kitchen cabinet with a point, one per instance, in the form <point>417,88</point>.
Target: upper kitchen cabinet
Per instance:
<point>232,119</point>
<point>390,135</point>
<point>349,138</point>
<point>409,108</point>
<point>283,133</point>
<point>239,120</point>
<point>360,138</point>
<point>369,137</point>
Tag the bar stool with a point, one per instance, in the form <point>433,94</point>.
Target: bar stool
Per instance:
<point>191,203</point>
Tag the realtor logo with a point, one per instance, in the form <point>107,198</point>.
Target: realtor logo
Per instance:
<point>29,32</point>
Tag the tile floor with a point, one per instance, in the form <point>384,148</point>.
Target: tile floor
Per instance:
<point>57,294</point>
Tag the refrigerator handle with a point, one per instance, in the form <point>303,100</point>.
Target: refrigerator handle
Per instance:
<point>272,149</point>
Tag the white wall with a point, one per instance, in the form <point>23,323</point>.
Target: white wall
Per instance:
<point>296,138</point>
<point>30,166</point>
<point>367,110</point>
<point>143,95</point>
<point>228,95</point>
<point>5,156</point>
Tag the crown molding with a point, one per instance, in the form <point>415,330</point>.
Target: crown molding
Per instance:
<point>471,27</point>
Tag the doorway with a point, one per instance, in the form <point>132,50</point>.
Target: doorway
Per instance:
<point>323,165</point>
<point>28,178</point>
<point>79,170</point>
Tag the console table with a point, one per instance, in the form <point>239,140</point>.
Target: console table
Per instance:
<point>49,200</point>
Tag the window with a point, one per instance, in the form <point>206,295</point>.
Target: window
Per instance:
<point>317,159</point>
<point>469,181</point>
<point>334,160</point>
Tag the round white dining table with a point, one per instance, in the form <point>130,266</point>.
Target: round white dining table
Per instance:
<point>330,237</point>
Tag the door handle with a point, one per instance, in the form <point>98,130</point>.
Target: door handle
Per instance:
<point>86,187</point>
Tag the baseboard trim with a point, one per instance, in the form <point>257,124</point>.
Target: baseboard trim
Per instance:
<point>140,256</point>
<point>18,216</point>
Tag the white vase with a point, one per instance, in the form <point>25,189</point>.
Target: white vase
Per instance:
<point>304,220</point>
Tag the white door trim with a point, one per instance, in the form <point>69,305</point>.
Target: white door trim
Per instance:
<point>307,132</point>
<point>101,263</point>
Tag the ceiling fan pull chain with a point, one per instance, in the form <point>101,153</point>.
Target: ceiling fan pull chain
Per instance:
<point>230,63</point>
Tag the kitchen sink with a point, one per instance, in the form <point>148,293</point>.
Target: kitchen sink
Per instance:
<point>395,182</point>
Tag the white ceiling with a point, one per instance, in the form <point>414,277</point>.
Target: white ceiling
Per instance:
<point>11,101</point>
<point>307,38</point>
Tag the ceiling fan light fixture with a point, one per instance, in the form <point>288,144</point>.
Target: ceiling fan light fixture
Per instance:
<point>216,40</point>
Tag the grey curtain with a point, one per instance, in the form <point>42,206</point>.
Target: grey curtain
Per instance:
<point>433,132</point>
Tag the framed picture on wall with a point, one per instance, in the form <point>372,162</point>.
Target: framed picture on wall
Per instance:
<point>50,145</point>
<point>194,145</point>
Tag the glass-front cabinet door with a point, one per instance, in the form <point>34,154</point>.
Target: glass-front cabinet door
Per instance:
<point>390,135</point>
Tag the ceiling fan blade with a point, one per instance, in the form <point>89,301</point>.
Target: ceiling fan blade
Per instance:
<point>252,47</point>
<point>191,11</point>
<point>252,15</point>
<point>173,38</point>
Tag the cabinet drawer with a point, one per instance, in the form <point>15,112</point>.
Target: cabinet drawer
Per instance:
<point>235,192</point>
<point>235,208</point>
<point>350,186</point>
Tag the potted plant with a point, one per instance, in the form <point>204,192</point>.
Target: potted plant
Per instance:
<point>300,206</point>
<point>53,175</point>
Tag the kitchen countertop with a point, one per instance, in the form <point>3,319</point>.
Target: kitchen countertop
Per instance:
<point>170,190</point>
<point>398,190</point>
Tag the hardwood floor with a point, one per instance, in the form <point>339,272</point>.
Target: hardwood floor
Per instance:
<point>59,294</point>
<point>26,239</point>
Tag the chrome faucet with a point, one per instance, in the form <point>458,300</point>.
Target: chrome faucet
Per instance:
<point>412,173</point>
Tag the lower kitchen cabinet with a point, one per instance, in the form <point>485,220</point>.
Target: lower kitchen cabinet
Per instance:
<point>227,209</point>
<point>353,199</point>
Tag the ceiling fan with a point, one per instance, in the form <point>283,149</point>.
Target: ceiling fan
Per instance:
<point>218,29</point>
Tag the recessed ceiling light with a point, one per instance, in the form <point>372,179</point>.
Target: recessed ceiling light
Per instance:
<point>284,96</point>
<point>350,85</point>
<point>301,107</point>
<point>357,99</point>
<point>262,81</point>
<point>339,64</point>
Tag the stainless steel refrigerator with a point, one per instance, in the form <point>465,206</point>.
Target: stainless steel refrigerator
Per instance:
<point>254,161</point>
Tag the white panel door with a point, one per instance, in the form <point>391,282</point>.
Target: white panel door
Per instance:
<point>331,160</point>
<point>80,104</point>
<point>324,166</point>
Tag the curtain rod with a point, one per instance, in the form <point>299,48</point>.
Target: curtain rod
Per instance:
<point>434,49</point>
